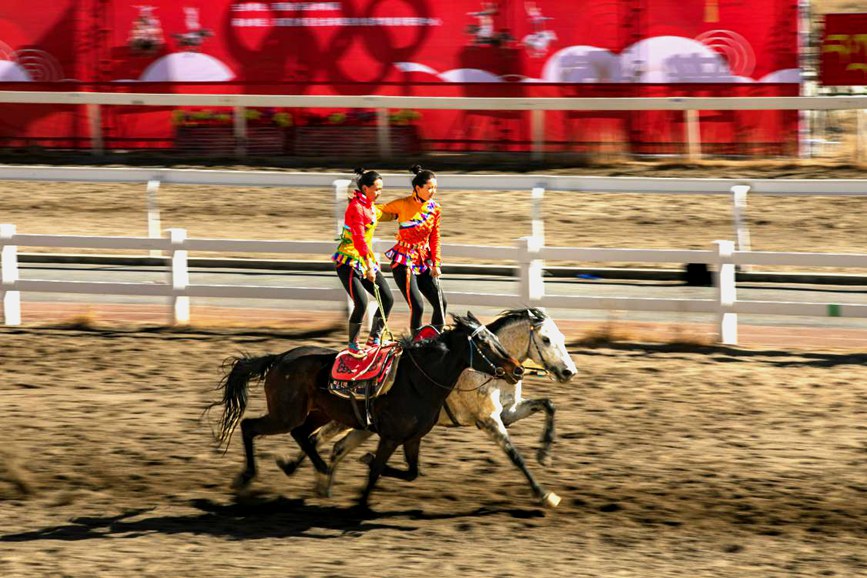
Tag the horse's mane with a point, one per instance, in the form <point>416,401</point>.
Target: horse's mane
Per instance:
<point>439,341</point>
<point>509,316</point>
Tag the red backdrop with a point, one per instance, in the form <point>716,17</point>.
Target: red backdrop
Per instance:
<point>602,48</point>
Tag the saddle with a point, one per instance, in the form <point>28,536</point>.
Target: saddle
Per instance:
<point>367,377</point>
<point>425,332</point>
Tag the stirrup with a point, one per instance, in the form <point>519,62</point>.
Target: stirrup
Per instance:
<point>373,342</point>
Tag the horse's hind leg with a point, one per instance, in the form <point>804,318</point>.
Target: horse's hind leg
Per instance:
<point>383,452</point>
<point>325,432</point>
<point>340,450</point>
<point>302,436</point>
<point>530,406</point>
<point>411,452</point>
<point>497,431</point>
<point>250,429</point>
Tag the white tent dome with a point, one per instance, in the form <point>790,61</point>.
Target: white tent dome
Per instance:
<point>673,59</point>
<point>187,67</point>
<point>582,64</point>
<point>12,72</point>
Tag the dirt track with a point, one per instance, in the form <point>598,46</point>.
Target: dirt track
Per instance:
<point>670,462</point>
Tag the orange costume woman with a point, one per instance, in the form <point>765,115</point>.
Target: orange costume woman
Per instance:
<point>415,259</point>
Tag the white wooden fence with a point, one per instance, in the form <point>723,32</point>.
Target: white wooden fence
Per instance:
<point>529,253</point>
<point>538,106</point>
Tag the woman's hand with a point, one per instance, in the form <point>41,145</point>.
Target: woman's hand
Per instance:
<point>370,275</point>
<point>436,272</point>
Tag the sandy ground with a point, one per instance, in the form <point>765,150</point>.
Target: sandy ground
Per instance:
<point>670,461</point>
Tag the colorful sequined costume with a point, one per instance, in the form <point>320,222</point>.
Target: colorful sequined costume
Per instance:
<point>360,222</point>
<point>418,238</point>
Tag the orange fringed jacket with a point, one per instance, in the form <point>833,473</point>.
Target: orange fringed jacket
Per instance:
<point>418,238</point>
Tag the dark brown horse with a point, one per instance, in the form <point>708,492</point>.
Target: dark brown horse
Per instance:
<point>298,400</point>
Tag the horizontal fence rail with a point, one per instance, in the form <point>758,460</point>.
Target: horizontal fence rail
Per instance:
<point>529,254</point>
<point>690,106</point>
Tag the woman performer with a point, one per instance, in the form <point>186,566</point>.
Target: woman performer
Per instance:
<point>415,259</point>
<point>356,261</point>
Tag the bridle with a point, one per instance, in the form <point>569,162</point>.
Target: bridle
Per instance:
<point>531,342</point>
<point>499,372</point>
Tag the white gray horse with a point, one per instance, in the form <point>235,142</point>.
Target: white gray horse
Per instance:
<point>487,403</point>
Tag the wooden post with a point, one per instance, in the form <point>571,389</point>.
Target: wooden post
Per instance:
<point>180,276</point>
<point>537,128</point>
<point>383,133</point>
<point>154,225</point>
<point>239,117</point>
<point>537,222</point>
<point>726,290</point>
<point>739,208</point>
<point>9,276</point>
<point>532,284</point>
<point>693,135</point>
<point>94,120</point>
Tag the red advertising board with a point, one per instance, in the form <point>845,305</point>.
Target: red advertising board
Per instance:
<point>843,52</point>
<point>543,48</point>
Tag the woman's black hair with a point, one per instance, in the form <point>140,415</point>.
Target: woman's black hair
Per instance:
<point>365,178</point>
<point>421,177</point>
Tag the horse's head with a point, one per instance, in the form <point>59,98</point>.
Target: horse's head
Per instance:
<point>485,353</point>
<point>547,346</point>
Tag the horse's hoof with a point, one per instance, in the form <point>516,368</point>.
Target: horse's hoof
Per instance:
<point>366,458</point>
<point>323,488</point>
<point>550,500</point>
<point>287,466</point>
<point>242,480</point>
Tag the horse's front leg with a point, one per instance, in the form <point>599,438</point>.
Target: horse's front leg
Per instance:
<point>527,407</point>
<point>495,428</point>
<point>340,450</point>
<point>383,452</point>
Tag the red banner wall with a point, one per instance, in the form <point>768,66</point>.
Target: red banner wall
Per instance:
<point>843,52</point>
<point>540,48</point>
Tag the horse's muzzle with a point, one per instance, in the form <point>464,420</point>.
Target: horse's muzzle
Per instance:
<point>511,372</point>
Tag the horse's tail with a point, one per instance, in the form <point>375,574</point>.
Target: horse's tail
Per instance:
<point>238,372</point>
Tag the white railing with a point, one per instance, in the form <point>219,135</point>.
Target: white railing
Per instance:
<point>537,106</point>
<point>738,189</point>
<point>529,253</point>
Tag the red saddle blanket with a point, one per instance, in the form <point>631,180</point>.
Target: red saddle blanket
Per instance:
<point>376,362</point>
<point>425,332</point>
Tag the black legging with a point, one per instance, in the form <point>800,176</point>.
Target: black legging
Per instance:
<point>358,287</point>
<point>413,287</point>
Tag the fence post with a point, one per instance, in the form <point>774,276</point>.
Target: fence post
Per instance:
<point>180,275</point>
<point>739,207</point>
<point>341,199</point>
<point>9,276</point>
<point>239,118</point>
<point>532,285</point>
<point>726,293</point>
<point>94,120</point>
<point>693,135</point>
<point>861,126</point>
<point>537,128</point>
<point>537,226</point>
<point>154,225</point>
<point>383,133</point>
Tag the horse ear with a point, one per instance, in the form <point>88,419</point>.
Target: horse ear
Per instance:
<point>472,317</point>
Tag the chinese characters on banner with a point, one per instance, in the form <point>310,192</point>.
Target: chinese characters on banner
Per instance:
<point>843,51</point>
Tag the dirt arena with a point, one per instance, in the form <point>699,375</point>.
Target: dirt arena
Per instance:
<point>671,460</point>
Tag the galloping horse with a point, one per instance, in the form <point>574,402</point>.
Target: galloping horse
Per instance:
<point>489,404</point>
<point>296,385</point>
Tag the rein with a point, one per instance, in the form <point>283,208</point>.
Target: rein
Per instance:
<point>499,371</point>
